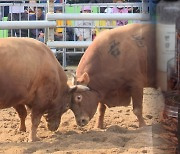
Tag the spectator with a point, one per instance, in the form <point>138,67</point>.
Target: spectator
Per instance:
<point>109,22</point>
<point>119,9</point>
<point>42,1</point>
<point>84,33</point>
<point>17,13</point>
<point>101,1</point>
<point>133,1</point>
<point>77,1</point>
<point>60,31</point>
<point>102,23</point>
<point>30,9</point>
<point>135,9</point>
<point>45,1</point>
<point>58,1</point>
<point>6,8</point>
<point>37,33</point>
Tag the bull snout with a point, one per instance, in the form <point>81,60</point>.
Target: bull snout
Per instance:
<point>83,121</point>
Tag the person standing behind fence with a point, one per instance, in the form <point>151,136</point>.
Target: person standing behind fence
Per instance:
<point>59,31</point>
<point>17,13</point>
<point>37,33</point>
<point>102,24</point>
<point>135,9</point>
<point>101,1</point>
<point>30,9</point>
<point>120,9</point>
<point>84,34</point>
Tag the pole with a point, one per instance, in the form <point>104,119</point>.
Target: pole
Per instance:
<point>51,11</point>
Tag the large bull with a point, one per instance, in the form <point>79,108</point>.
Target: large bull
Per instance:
<point>30,75</point>
<point>115,67</point>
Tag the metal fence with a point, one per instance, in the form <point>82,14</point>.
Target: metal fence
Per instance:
<point>65,46</point>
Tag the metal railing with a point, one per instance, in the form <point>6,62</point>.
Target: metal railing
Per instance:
<point>50,21</point>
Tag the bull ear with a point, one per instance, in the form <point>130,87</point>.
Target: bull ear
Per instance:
<point>85,78</point>
<point>74,80</point>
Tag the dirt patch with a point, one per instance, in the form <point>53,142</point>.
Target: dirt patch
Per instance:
<point>121,133</point>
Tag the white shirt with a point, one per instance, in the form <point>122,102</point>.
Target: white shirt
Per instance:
<point>85,32</point>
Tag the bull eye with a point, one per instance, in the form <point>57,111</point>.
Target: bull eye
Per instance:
<point>78,98</point>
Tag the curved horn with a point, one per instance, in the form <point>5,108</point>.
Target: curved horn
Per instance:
<point>74,80</point>
<point>78,88</point>
<point>82,88</point>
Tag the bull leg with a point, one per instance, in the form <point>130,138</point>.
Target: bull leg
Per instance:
<point>35,121</point>
<point>101,112</point>
<point>21,110</point>
<point>137,99</point>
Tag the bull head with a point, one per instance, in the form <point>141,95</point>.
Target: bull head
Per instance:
<point>84,100</point>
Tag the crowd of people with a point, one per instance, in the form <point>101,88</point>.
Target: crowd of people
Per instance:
<point>18,14</point>
<point>66,30</point>
<point>82,30</point>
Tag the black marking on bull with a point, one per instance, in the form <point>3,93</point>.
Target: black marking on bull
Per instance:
<point>139,40</point>
<point>114,48</point>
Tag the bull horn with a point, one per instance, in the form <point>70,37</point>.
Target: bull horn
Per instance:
<point>74,80</point>
<point>82,88</point>
<point>72,89</point>
<point>78,88</point>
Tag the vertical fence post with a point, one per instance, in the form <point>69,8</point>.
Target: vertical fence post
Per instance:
<point>50,10</point>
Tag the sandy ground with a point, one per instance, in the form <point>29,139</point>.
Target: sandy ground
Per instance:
<point>121,133</point>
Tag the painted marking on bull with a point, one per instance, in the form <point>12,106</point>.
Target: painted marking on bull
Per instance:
<point>139,40</point>
<point>114,48</point>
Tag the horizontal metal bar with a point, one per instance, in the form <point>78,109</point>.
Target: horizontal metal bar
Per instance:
<point>98,16</point>
<point>10,1</point>
<point>68,44</point>
<point>27,24</point>
<point>25,4</point>
<point>69,52</point>
<point>73,53</point>
<point>79,4</point>
<point>128,4</point>
<point>14,0</point>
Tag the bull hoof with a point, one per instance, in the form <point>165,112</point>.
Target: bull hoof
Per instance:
<point>142,124</point>
<point>34,139</point>
<point>100,126</point>
<point>22,129</point>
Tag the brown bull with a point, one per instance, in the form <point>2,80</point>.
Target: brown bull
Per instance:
<point>30,75</point>
<point>115,67</point>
